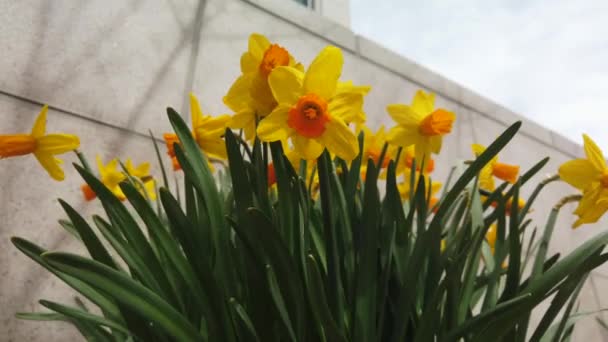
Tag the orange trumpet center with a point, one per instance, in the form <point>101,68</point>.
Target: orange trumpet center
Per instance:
<point>88,193</point>
<point>374,154</point>
<point>274,56</point>
<point>170,139</point>
<point>429,163</point>
<point>604,180</point>
<point>438,122</point>
<point>16,145</point>
<point>506,172</point>
<point>309,116</point>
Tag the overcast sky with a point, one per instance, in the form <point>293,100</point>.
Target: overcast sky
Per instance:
<point>546,60</point>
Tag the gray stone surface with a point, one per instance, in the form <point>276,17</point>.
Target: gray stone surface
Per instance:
<point>120,62</point>
<point>30,209</point>
<point>111,68</point>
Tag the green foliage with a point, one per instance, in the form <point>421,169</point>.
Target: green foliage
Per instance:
<point>238,260</point>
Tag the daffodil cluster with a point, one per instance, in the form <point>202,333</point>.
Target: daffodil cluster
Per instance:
<point>311,109</point>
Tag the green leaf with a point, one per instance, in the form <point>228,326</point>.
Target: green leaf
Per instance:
<point>275,291</point>
<point>90,240</point>
<point>364,326</point>
<point>120,217</point>
<point>84,316</point>
<point>245,321</point>
<point>127,291</point>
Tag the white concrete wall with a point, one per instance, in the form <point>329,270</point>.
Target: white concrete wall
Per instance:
<point>108,69</point>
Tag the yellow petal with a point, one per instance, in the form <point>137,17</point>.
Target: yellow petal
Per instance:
<point>151,189</point>
<point>403,136</point>
<point>196,113</point>
<point>213,127</point>
<point>258,45</point>
<point>594,154</point>
<point>589,200</point>
<point>478,149</point>
<point>486,179</point>
<point>51,165</point>
<point>57,143</point>
<point>322,76</point>
<point>244,120</point>
<point>435,143</point>
<point>423,103</point>
<point>238,97</point>
<point>249,63</point>
<point>339,139</point>
<point>347,106</point>
<point>214,148</point>
<point>404,115</point>
<point>424,149</point>
<point>579,173</point>
<point>286,84</point>
<point>348,87</point>
<point>592,215</point>
<point>308,149</point>
<point>274,126</point>
<point>40,124</point>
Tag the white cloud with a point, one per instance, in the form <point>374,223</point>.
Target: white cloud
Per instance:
<point>547,60</point>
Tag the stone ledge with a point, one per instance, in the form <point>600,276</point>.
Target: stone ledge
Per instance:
<point>315,23</point>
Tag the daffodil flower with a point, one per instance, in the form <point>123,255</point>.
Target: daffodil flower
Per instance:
<point>250,96</point>
<point>407,161</point>
<point>208,132</point>
<point>590,175</point>
<point>310,111</point>
<point>494,168</point>
<point>142,172</point>
<point>404,186</point>
<point>43,146</point>
<point>420,124</point>
<point>373,143</point>
<point>110,176</point>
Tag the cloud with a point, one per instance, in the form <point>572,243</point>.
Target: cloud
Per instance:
<point>547,60</point>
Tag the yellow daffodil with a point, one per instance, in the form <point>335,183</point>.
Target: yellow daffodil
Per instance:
<point>491,237</point>
<point>43,146</point>
<point>373,143</point>
<point>491,240</point>
<point>142,172</point>
<point>404,187</point>
<point>110,176</point>
<point>420,124</point>
<point>494,168</point>
<point>250,96</point>
<point>207,130</point>
<point>407,161</point>
<point>310,111</point>
<point>590,175</point>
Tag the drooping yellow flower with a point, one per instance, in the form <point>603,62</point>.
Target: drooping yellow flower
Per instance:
<point>207,130</point>
<point>43,146</point>
<point>373,143</point>
<point>142,172</point>
<point>404,186</point>
<point>494,168</point>
<point>590,175</point>
<point>420,124</point>
<point>250,96</point>
<point>491,237</point>
<point>310,111</point>
<point>110,176</point>
<point>407,161</point>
